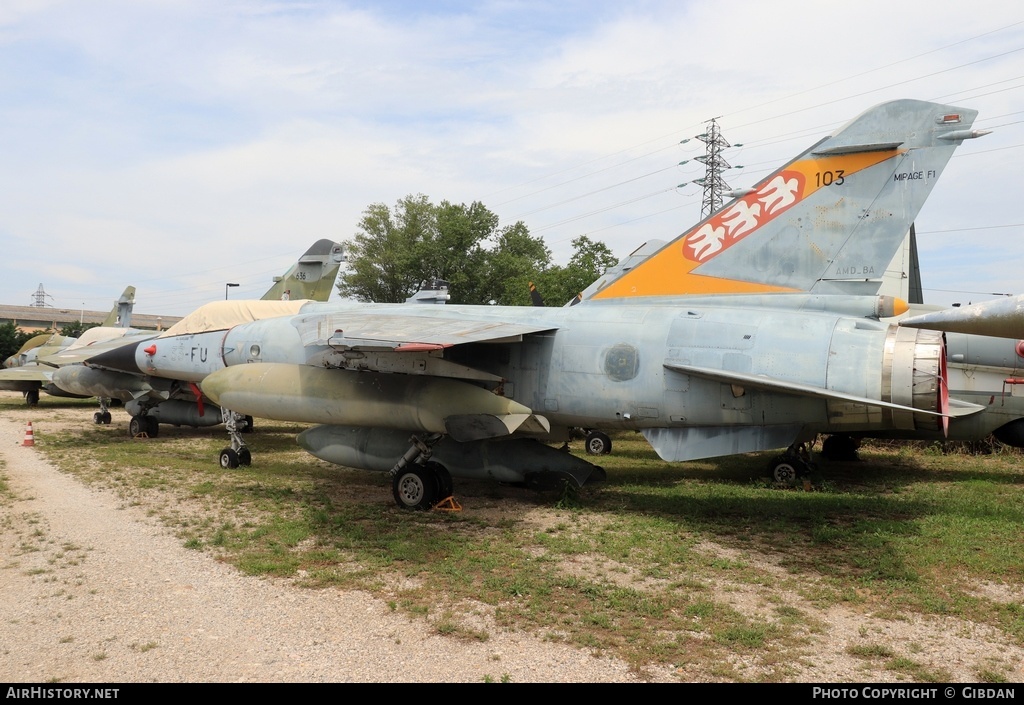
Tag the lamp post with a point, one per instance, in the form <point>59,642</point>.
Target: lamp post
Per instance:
<point>226,287</point>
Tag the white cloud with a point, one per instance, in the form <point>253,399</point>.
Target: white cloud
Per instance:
<point>166,139</point>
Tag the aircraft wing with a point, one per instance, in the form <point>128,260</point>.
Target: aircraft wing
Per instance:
<point>961,408</point>
<point>408,332</point>
<point>24,378</point>
<point>79,354</point>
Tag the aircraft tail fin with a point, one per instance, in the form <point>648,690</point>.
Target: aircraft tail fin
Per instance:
<point>312,277</point>
<point>120,315</point>
<point>829,221</point>
<point>431,291</point>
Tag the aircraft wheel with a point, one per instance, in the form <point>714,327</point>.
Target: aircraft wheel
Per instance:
<point>136,426</point>
<point>784,469</point>
<point>106,418</point>
<point>415,487</point>
<point>598,443</point>
<point>249,425</point>
<point>244,456</point>
<point>32,397</point>
<point>97,418</point>
<point>443,480</point>
<point>152,426</point>
<point>228,459</point>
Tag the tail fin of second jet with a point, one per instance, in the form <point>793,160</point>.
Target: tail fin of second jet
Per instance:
<point>312,277</point>
<point>120,315</point>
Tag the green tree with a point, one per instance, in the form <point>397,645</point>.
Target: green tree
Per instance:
<point>590,259</point>
<point>11,340</point>
<point>517,259</point>
<point>383,257</point>
<point>397,248</point>
<point>457,249</point>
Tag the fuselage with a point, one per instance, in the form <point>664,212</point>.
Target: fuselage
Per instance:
<point>612,365</point>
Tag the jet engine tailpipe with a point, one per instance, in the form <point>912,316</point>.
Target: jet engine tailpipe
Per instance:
<point>913,375</point>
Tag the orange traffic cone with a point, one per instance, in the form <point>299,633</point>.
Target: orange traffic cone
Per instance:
<point>29,438</point>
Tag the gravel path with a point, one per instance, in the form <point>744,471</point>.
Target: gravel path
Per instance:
<point>92,590</point>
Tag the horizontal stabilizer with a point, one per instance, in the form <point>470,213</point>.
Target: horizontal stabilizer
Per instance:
<point>769,384</point>
<point>856,148</point>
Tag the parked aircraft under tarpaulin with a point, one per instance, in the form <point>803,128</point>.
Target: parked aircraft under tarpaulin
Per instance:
<point>748,332</point>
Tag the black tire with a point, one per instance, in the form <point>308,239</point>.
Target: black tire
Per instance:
<point>443,479</point>
<point>152,426</point>
<point>244,456</point>
<point>249,425</point>
<point>106,418</point>
<point>598,443</point>
<point>97,418</point>
<point>32,397</point>
<point>415,487</point>
<point>136,426</point>
<point>228,459</point>
<point>784,469</point>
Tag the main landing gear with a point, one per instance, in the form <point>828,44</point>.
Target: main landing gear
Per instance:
<point>103,415</point>
<point>416,481</point>
<point>237,454</point>
<point>32,397</point>
<point>792,465</point>
<point>421,485</point>
<point>142,424</point>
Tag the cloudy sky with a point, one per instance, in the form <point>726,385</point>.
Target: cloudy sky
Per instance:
<point>178,145</point>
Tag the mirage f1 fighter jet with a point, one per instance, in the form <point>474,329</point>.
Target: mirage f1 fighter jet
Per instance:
<point>756,329</point>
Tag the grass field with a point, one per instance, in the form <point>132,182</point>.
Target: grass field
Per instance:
<point>705,567</point>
